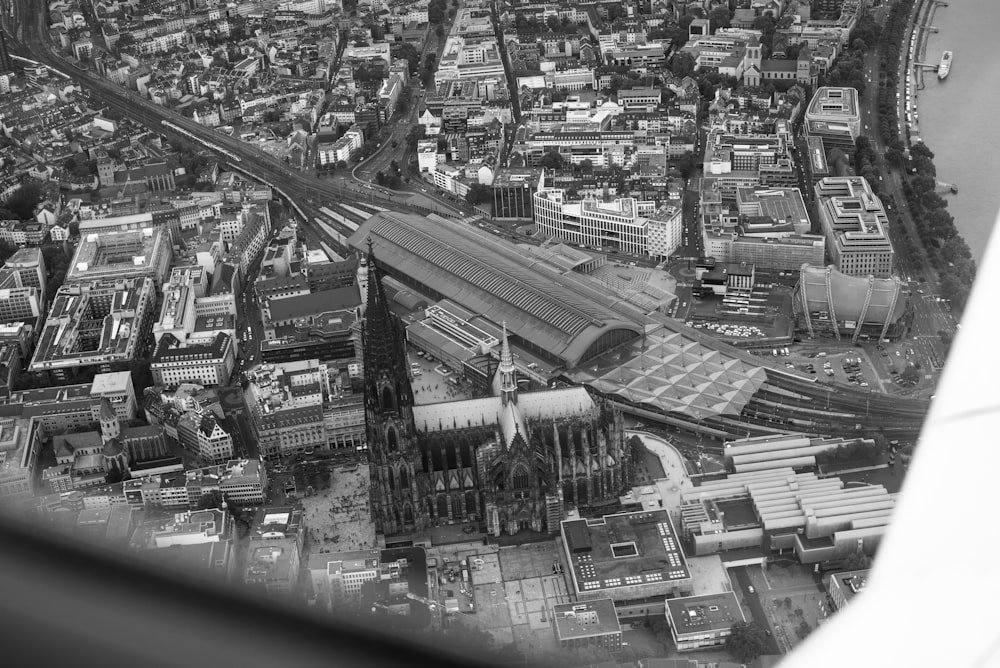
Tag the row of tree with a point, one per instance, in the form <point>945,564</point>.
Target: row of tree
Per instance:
<point>848,68</point>
<point>891,41</point>
<point>857,451</point>
<point>948,252</point>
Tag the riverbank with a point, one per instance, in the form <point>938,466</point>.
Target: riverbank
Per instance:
<point>946,251</point>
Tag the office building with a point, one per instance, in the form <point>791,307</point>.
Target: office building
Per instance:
<point>285,403</point>
<point>513,190</point>
<point>697,622</point>
<point>274,551</point>
<point>856,227</point>
<point>625,224</point>
<point>242,480</point>
<point>143,253</point>
<point>777,510</point>
<point>96,323</point>
<point>20,443</point>
<point>336,578</point>
<point>625,556</point>
<point>589,624</point>
<point>827,302</point>
<point>207,364</point>
<point>836,109</point>
<point>844,586</point>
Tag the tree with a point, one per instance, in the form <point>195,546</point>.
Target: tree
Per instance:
<point>552,160</point>
<point>210,499</point>
<point>746,642</point>
<point>686,166</point>
<point>478,194</point>
<point>24,199</point>
<point>380,178</point>
<point>439,31</point>
<point>910,374</point>
<point>719,17</point>
<point>586,165</point>
<point>394,166</point>
<point>858,561</point>
<point>683,64</point>
<point>552,22</point>
<point>340,164</point>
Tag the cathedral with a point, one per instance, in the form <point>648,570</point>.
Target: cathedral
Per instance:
<point>512,460</point>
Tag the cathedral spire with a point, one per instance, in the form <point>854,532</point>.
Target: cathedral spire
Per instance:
<point>508,377</point>
<point>384,345</point>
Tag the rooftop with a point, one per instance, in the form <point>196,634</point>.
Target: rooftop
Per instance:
<point>111,383</point>
<point>624,550</point>
<point>585,619</point>
<point>702,614</point>
<point>486,275</point>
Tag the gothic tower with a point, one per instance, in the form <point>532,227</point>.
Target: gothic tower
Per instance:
<point>394,456</point>
<point>506,373</point>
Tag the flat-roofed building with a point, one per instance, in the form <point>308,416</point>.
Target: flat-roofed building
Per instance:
<point>449,333</point>
<point>703,621</point>
<point>836,106</point>
<point>242,480</point>
<point>286,407</point>
<point>625,556</point>
<point>513,190</point>
<point>208,364</point>
<point>623,224</point>
<point>844,586</point>
<point>856,226</point>
<point>26,304</point>
<point>816,164</point>
<point>274,550</point>
<point>20,442</point>
<point>143,253</point>
<point>817,519</point>
<point>118,388</point>
<point>588,624</point>
<point>24,269</point>
<point>760,453</point>
<point>96,323</point>
<point>338,577</point>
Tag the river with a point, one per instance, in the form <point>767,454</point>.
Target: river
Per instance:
<point>957,116</point>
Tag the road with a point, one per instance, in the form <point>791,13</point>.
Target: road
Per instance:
<point>309,193</point>
<point>917,271</point>
<point>752,601</point>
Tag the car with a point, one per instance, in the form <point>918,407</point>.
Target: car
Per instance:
<point>767,632</point>
<point>751,589</point>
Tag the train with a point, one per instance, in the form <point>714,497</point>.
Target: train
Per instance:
<point>198,140</point>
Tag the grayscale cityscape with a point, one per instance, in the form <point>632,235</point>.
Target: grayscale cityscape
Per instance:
<point>592,333</point>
